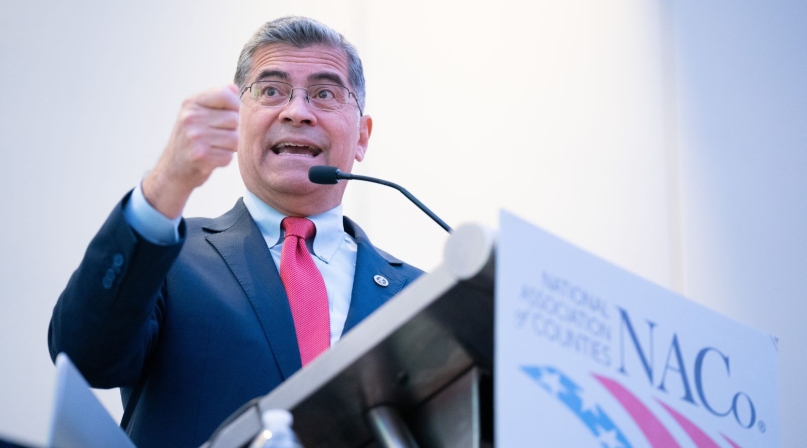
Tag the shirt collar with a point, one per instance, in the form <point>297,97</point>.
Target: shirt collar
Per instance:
<point>330,231</point>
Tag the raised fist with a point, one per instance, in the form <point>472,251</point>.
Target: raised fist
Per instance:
<point>205,137</point>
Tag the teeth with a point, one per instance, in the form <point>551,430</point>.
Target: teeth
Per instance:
<point>296,149</point>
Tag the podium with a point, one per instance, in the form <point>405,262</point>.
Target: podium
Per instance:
<point>416,373</point>
<point>585,354</point>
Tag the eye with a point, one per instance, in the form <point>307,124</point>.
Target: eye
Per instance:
<point>324,93</point>
<point>270,92</point>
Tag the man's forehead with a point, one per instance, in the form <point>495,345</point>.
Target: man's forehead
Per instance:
<point>274,60</point>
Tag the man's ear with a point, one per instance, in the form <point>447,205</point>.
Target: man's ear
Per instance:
<point>365,129</point>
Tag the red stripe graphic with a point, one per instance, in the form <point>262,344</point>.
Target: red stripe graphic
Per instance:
<point>695,433</point>
<point>733,443</point>
<point>656,434</point>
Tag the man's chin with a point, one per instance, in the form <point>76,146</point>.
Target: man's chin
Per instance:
<point>289,183</point>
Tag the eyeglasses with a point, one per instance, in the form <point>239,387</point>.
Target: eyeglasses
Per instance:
<point>319,96</point>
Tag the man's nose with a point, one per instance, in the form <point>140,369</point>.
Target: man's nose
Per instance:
<point>298,110</point>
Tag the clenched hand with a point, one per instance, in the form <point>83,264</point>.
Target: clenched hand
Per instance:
<point>204,138</point>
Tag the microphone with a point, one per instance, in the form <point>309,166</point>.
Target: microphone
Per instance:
<point>328,175</point>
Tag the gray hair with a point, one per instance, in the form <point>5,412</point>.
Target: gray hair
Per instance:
<point>301,32</point>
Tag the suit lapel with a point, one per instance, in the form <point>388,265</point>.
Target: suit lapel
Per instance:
<point>367,294</point>
<point>240,243</point>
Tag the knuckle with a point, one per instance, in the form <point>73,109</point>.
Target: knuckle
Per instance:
<point>233,119</point>
<point>227,119</point>
<point>188,117</point>
<point>194,135</point>
<point>198,154</point>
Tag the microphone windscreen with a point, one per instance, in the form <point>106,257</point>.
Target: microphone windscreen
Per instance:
<point>323,174</point>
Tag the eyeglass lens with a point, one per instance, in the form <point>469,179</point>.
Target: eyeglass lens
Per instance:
<point>320,96</point>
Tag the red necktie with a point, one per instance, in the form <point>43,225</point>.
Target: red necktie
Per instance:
<point>305,289</point>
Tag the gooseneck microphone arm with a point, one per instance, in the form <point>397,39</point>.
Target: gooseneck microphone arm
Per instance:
<point>331,175</point>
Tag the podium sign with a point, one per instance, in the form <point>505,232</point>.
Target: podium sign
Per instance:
<point>588,354</point>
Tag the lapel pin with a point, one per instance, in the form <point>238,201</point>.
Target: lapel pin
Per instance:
<point>381,280</point>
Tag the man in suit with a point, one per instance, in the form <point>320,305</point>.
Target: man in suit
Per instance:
<point>192,318</point>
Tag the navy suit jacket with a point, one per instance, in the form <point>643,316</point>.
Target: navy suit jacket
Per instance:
<point>192,331</point>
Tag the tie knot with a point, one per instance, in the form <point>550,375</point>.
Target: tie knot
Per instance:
<point>300,227</point>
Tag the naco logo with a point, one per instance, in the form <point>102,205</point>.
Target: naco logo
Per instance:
<point>676,368</point>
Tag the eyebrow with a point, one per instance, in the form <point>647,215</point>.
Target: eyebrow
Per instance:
<point>326,76</point>
<point>312,78</point>
<point>272,74</point>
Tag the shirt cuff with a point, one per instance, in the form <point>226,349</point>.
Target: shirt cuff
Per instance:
<point>152,225</point>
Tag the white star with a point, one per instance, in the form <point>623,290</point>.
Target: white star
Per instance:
<point>609,439</point>
<point>552,382</point>
<point>586,405</point>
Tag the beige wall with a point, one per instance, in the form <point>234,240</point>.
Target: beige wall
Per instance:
<point>562,112</point>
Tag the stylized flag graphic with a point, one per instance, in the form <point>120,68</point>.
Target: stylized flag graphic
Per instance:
<point>570,394</point>
<point>602,427</point>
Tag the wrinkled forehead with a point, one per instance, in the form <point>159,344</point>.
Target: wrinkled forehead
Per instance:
<point>298,66</point>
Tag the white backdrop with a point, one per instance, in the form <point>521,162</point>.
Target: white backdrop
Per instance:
<point>667,137</point>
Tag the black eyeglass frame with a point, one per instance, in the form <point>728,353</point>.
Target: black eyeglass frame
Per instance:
<point>307,98</point>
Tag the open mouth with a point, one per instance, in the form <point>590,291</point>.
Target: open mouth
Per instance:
<point>295,149</point>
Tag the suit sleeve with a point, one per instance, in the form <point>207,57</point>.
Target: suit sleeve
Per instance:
<point>108,317</point>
